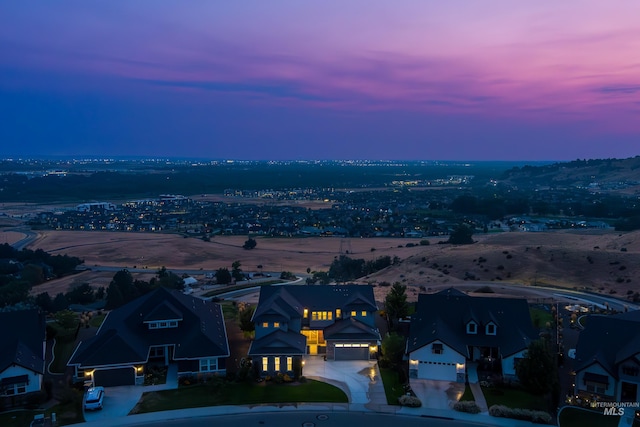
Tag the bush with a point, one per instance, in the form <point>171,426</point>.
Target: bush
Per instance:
<point>539,417</point>
<point>468,406</point>
<point>409,401</point>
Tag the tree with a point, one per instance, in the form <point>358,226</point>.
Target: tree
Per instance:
<point>67,319</point>
<point>393,348</point>
<point>395,304</point>
<point>223,276</point>
<point>245,313</point>
<point>537,370</point>
<point>236,272</point>
<point>461,235</point>
<point>250,244</point>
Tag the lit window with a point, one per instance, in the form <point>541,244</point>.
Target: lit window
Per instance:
<point>276,324</point>
<point>338,313</point>
<point>353,314</point>
<point>289,363</point>
<point>265,364</point>
<point>306,313</point>
<point>277,362</point>
<point>265,324</point>
<point>364,313</point>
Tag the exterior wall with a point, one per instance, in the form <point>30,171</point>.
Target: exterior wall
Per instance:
<point>369,319</point>
<point>35,379</point>
<point>509,364</point>
<point>595,369</point>
<point>420,360</point>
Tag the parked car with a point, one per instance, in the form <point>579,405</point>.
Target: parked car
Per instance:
<point>93,399</point>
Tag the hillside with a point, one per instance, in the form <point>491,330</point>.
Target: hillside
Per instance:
<point>606,262</point>
<point>604,175</point>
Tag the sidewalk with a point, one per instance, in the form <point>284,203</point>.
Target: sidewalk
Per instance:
<point>472,375</point>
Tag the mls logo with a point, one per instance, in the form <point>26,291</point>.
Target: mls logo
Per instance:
<point>614,411</point>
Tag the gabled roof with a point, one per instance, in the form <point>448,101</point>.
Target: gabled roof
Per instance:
<point>22,342</point>
<point>290,300</point>
<point>609,341</point>
<point>351,329</point>
<point>443,316</point>
<point>125,338</point>
<point>279,342</point>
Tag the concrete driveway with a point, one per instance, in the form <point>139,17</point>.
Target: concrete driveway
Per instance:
<point>359,379</point>
<point>437,394</point>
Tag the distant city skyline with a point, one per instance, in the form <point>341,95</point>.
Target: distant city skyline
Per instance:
<point>285,80</point>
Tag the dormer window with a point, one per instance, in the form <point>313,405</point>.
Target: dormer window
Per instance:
<point>472,328</point>
<point>490,329</point>
<point>163,324</point>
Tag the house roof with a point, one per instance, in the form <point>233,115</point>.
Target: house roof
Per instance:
<point>290,300</point>
<point>351,329</point>
<point>125,338</point>
<point>279,342</point>
<point>22,344</point>
<point>443,316</point>
<point>608,341</point>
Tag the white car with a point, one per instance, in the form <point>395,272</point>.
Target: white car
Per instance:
<point>93,399</point>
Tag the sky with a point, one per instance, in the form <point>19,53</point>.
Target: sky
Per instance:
<point>356,79</point>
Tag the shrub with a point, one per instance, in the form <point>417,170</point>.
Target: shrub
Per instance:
<point>409,401</point>
<point>468,406</point>
<point>539,417</point>
<point>424,243</point>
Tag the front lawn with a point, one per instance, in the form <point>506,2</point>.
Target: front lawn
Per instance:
<point>222,393</point>
<point>62,351</point>
<point>67,413</point>
<point>467,395</point>
<point>393,388</point>
<point>540,317</point>
<point>513,398</point>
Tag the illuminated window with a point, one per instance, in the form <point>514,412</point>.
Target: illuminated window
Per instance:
<point>289,363</point>
<point>321,315</point>
<point>306,313</point>
<point>364,314</point>
<point>265,324</point>
<point>276,324</point>
<point>353,314</point>
<point>265,364</point>
<point>338,313</point>
<point>277,362</point>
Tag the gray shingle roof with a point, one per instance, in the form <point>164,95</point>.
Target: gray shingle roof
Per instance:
<point>609,340</point>
<point>444,316</point>
<point>279,342</point>
<point>125,338</point>
<point>351,329</point>
<point>23,333</point>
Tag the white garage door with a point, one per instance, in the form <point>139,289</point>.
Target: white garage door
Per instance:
<point>437,371</point>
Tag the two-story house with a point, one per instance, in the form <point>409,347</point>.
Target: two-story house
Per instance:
<point>22,348</point>
<point>451,328</point>
<point>293,321</point>
<point>162,328</point>
<point>607,363</point>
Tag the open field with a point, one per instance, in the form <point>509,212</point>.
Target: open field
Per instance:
<point>604,261</point>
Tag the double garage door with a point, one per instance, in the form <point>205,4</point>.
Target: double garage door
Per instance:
<point>351,351</point>
<point>437,371</point>
<point>114,377</point>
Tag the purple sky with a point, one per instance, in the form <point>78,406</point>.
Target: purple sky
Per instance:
<point>357,79</point>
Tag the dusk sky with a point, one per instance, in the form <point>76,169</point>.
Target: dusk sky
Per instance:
<point>356,79</point>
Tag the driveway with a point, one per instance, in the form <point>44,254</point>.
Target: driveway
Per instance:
<point>359,379</point>
<point>437,394</point>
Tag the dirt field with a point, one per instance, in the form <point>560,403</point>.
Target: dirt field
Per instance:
<point>10,237</point>
<point>608,262</point>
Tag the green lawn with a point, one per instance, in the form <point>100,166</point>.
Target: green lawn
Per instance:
<point>513,398</point>
<point>393,389</point>
<point>579,417</point>
<point>62,352</point>
<point>467,395</point>
<point>238,394</point>
<point>97,320</point>
<point>229,310</point>
<point>540,317</point>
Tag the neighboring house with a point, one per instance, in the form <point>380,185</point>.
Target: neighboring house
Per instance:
<point>451,328</point>
<point>607,363</point>
<point>22,348</point>
<point>292,321</point>
<point>162,328</point>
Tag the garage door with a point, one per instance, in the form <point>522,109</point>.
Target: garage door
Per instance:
<point>355,351</point>
<point>114,377</point>
<point>437,371</point>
